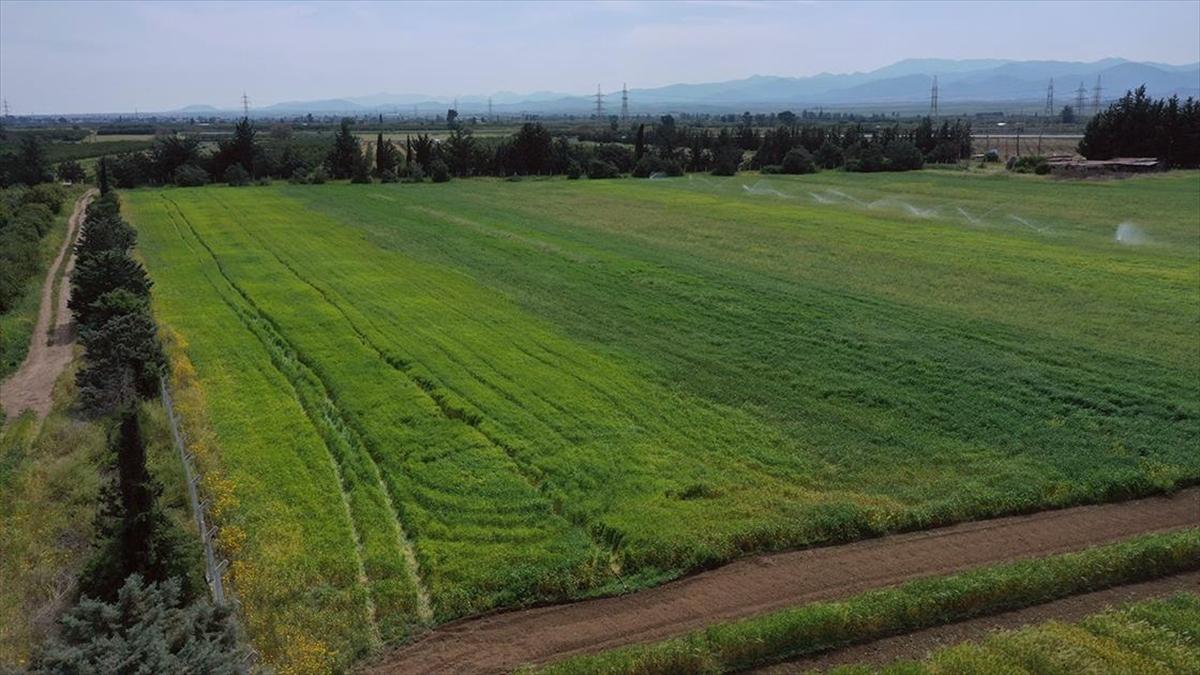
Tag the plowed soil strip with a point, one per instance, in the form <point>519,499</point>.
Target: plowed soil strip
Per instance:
<point>501,642</point>
<point>916,645</point>
<point>50,346</point>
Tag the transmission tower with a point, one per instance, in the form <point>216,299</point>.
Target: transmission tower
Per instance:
<point>1079,94</point>
<point>245,105</point>
<point>489,108</point>
<point>1096,97</point>
<point>933,102</point>
<point>624,102</point>
<point>6,111</point>
<point>1050,98</point>
<point>599,103</point>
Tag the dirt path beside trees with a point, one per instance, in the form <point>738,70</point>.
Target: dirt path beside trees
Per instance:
<point>53,338</point>
<point>760,584</point>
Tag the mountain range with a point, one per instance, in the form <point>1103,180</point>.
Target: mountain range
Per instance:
<point>906,84</point>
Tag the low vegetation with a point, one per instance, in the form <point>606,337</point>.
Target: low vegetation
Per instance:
<point>818,627</point>
<point>422,402</point>
<point>1152,637</point>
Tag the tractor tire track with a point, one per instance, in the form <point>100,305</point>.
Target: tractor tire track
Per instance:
<point>760,584</point>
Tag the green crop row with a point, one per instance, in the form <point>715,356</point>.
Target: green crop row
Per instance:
<point>1156,637</point>
<point>818,627</point>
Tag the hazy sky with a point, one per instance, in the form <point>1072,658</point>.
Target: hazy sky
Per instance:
<point>114,56</point>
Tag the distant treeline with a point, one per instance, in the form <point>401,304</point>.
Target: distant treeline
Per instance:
<point>663,148</point>
<point>1138,126</point>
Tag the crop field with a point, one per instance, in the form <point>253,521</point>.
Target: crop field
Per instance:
<point>1157,636</point>
<point>413,403</point>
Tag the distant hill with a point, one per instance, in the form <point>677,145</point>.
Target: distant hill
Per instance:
<point>906,83</point>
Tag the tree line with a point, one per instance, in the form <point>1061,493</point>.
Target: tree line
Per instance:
<point>1138,126</point>
<point>139,610</point>
<point>26,216</point>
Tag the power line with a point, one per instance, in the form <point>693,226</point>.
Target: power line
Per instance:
<point>933,98</point>
<point>489,108</point>
<point>599,103</point>
<point>1079,93</point>
<point>624,101</point>
<point>1096,97</point>
<point>6,110</point>
<point>1050,98</point>
<point>245,105</point>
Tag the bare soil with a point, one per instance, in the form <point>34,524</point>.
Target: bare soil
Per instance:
<point>53,338</point>
<point>918,644</point>
<point>760,584</point>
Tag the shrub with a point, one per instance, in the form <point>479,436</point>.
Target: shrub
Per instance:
<point>651,165</point>
<point>388,176</point>
<point>830,156</point>
<point>438,171</point>
<point>902,156</point>
<point>236,176</point>
<point>598,168</point>
<point>319,176</point>
<point>574,171</point>
<point>1029,164</point>
<point>726,160</point>
<point>299,176</point>
<point>49,194</point>
<point>416,173</point>
<point>864,159</point>
<point>797,161</point>
<point>190,175</point>
<point>71,171</point>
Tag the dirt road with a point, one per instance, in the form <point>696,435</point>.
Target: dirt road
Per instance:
<point>500,642</point>
<point>53,336</point>
<point>915,645</point>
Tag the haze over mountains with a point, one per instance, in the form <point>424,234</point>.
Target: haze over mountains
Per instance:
<point>903,84</point>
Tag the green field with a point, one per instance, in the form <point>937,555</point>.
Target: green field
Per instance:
<point>419,402</point>
<point>1157,636</point>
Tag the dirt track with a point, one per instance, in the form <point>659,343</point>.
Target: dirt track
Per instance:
<point>53,336</point>
<point>501,642</point>
<point>916,645</point>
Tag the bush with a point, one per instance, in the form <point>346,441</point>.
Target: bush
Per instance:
<point>438,171</point>
<point>726,160</point>
<point>797,161</point>
<point>771,168</point>
<point>598,168</point>
<point>830,156</point>
<point>1029,164</point>
<point>868,159</point>
<point>574,171</point>
<point>416,173</point>
<point>299,176</point>
<point>190,175</point>
<point>46,193</point>
<point>71,171</point>
<point>388,176</point>
<point>236,176</point>
<point>319,176</point>
<point>902,156</point>
<point>649,165</point>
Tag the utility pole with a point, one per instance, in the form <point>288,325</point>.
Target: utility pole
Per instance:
<point>1079,94</point>
<point>1050,98</point>
<point>599,103</point>
<point>245,105</point>
<point>1096,97</point>
<point>933,99</point>
<point>624,102</point>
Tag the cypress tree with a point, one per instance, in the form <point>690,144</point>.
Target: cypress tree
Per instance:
<point>103,177</point>
<point>639,147</point>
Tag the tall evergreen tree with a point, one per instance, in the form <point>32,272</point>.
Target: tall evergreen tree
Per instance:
<point>639,146</point>
<point>102,178</point>
<point>344,155</point>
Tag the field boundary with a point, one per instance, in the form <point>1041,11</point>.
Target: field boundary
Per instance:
<point>914,645</point>
<point>764,584</point>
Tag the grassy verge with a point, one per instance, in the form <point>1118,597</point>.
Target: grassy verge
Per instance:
<point>817,627</point>
<point>1157,636</point>
<point>17,324</point>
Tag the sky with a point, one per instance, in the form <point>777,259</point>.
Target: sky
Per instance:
<point>63,57</point>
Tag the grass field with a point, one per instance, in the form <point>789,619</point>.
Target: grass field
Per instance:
<point>419,402</point>
<point>1158,636</point>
